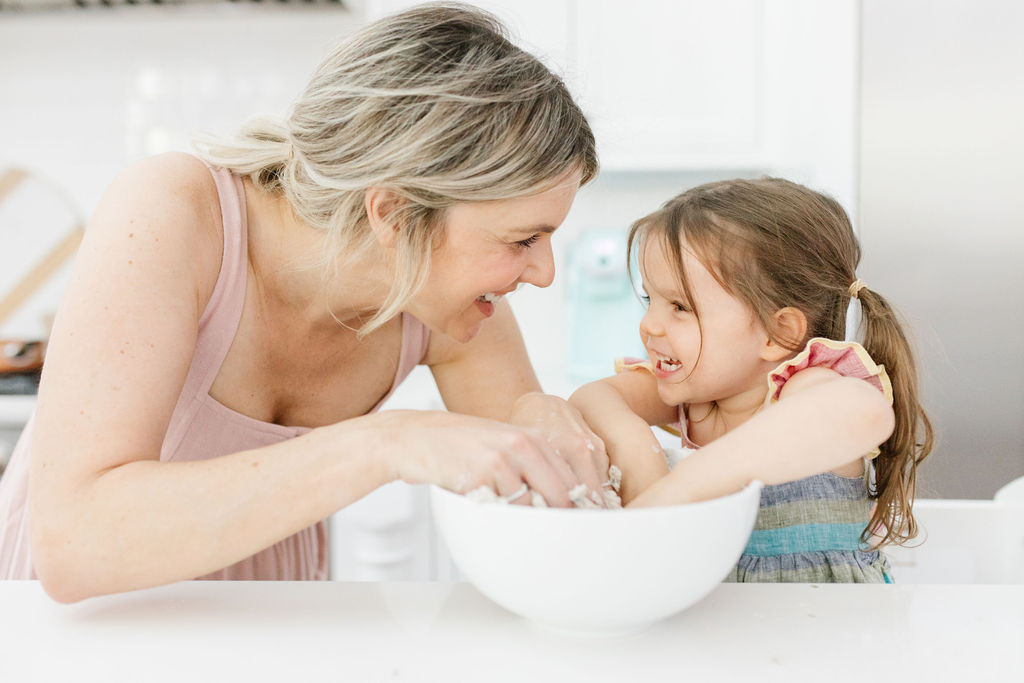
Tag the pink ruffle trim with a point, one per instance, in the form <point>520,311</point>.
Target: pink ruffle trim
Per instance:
<point>849,359</point>
<point>630,363</point>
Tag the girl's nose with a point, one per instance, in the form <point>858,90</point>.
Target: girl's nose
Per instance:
<point>649,326</point>
<point>540,270</point>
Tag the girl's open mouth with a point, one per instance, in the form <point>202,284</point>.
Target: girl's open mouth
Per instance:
<point>664,365</point>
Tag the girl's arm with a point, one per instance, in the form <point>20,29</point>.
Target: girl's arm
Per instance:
<point>105,514</point>
<point>621,409</point>
<point>821,422</point>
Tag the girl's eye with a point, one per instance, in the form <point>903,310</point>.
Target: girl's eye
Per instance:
<point>681,308</point>
<point>645,300</point>
<point>528,242</point>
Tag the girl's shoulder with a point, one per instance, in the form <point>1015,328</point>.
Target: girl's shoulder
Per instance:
<point>827,356</point>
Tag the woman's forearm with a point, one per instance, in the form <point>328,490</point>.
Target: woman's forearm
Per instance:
<point>147,523</point>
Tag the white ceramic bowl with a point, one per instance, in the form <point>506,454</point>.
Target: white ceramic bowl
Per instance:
<point>596,572</point>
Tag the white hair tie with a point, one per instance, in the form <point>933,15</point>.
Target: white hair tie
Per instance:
<point>853,310</point>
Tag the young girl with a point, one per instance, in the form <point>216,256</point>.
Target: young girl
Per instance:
<point>748,285</point>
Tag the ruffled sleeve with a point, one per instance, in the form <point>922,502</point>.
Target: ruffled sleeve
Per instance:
<point>849,359</point>
<point>627,363</point>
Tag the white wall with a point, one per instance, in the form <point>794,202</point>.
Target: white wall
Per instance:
<point>941,217</point>
<point>83,92</point>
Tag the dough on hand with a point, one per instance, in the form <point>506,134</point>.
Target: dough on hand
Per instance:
<point>580,495</point>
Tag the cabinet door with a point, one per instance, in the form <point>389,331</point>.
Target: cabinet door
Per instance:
<point>671,84</point>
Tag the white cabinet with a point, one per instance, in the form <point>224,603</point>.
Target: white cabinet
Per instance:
<point>671,85</point>
<point>964,541</point>
<point>751,86</point>
<point>389,534</point>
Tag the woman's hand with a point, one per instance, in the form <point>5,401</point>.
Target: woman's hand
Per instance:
<point>568,433</point>
<point>462,453</point>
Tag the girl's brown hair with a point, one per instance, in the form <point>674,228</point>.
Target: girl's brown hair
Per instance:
<point>773,243</point>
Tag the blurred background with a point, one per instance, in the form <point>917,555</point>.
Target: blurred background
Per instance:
<point>908,112</point>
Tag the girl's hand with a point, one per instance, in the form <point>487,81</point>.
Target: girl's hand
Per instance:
<point>462,453</point>
<point>568,433</point>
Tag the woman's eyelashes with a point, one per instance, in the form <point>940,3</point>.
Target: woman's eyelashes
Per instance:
<point>528,242</point>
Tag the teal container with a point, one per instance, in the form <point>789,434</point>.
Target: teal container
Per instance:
<point>603,309</point>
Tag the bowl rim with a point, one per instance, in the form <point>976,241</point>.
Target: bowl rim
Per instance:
<point>439,492</point>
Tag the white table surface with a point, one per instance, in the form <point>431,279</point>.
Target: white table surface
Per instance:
<point>278,631</point>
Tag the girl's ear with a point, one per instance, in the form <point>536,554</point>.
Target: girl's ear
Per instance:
<point>790,328</point>
<point>380,204</point>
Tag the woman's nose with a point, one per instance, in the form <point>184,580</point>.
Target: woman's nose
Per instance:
<point>540,271</point>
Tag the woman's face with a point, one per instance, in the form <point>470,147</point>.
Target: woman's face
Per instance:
<point>489,248</point>
<point>728,363</point>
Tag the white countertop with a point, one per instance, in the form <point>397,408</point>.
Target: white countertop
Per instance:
<point>280,631</point>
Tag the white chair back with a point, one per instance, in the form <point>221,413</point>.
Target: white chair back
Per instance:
<point>1012,496</point>
<point>960,541</point>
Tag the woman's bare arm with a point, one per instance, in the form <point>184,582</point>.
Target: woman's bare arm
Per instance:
<point>491,376</point>
<point>105,514</point>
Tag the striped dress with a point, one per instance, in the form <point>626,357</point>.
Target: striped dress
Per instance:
<point>809,530</point>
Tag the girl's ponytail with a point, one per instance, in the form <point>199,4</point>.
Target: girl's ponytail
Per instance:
<point>912,438</point>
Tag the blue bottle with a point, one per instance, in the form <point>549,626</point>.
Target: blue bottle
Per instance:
<point>603,309</point>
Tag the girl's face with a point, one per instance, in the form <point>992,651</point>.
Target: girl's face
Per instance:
<point>730,361</point>
<point>489,248</point>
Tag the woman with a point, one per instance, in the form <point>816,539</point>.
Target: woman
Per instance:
<point>234,322</point>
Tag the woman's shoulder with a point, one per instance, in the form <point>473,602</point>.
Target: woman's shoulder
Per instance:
<point>172,186</point>
<point>171,178</point>
<point>167,202</point>
<point>822,358</point>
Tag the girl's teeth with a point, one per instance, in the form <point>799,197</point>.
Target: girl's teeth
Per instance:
<point>668,366</point>
<point>489,297</point>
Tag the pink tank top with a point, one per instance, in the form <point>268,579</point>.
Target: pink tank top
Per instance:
<point>202,428</point>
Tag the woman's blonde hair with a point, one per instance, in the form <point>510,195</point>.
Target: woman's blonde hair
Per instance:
<point>773,243</point>
<point>434,104</point>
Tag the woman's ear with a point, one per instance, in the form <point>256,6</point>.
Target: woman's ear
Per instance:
<point>380,204</point>
<point>790,328</point>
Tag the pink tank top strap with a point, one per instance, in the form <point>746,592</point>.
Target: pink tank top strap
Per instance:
<point>219,322</point>
<point>415,339</point>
